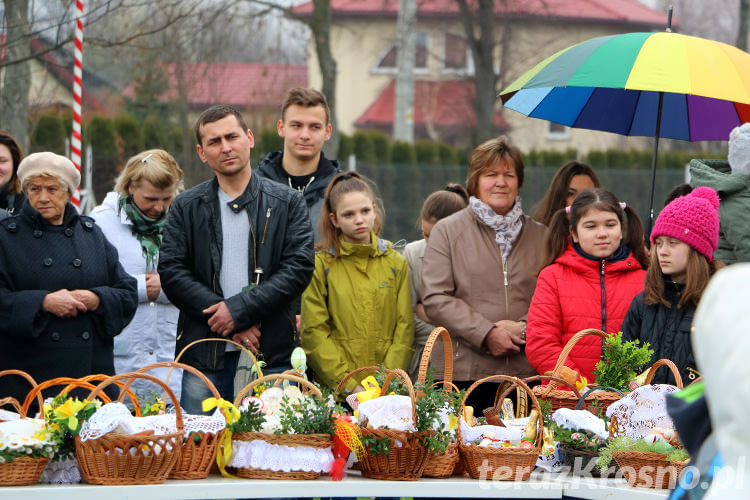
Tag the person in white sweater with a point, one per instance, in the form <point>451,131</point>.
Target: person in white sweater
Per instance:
<point>132,218</point>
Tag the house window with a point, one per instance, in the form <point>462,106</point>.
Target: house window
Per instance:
<point>457,55</point>
<point>557,132</point>
<point>387,62</point>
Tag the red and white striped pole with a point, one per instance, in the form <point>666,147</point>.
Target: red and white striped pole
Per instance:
<point>75,143</point>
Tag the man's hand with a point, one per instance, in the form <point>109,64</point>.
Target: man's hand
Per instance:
<point>89,299</point>
<point>153,286</point>
<point>505,338</point>
<point>250,338</point>
<point>221,320</point>
<point>63,304</point>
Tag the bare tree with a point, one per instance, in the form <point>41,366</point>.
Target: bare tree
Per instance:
<point>479,26</point>
<point>17,78</point>
<point>744,19</point>
<point>403,114</point>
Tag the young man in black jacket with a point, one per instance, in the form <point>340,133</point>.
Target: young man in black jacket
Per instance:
<point>305,125</point>
<point>237,251</point>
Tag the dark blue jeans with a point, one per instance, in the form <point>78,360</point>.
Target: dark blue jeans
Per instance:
<point>194,390</point>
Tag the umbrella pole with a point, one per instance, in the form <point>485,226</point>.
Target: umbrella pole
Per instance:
<point>653,172</point>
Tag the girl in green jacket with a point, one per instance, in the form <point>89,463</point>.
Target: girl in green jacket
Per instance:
<point>357,309</point>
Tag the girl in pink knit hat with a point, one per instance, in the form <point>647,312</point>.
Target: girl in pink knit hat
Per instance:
<point>684,240</point>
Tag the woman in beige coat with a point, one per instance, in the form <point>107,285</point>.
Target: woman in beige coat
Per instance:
<point>479,272</point>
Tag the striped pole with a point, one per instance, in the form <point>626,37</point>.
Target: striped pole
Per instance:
<point>75,143</point>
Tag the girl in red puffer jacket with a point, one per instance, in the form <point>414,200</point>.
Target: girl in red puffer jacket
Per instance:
<point>594,264</point>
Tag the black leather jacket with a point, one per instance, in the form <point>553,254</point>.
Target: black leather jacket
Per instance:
<point>190,263</point>
<point>667,329</point>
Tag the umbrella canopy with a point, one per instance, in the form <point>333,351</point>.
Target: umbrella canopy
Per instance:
<point>640,84</point>
<point>612,83</point>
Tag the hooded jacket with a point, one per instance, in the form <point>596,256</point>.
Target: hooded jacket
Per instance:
<point>150,335</point>
<point>722,347</point>
<point>357,311</point>
<point>667,329</point>
<point>575,293</point>
<point>271,168</point>
<point>734,192</point>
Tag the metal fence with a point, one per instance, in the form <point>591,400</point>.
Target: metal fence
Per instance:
<point>403,188</point>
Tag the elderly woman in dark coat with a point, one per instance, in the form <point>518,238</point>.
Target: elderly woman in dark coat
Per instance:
<point>63,293</point>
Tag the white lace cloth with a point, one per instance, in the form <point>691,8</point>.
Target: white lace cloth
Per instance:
<point>116,417</point>
<point>63,472</point>
<point>642,410</point>
<point>580,420</point>
<point>259,454</point>
<point>474,434</point>
<point>392,411</point>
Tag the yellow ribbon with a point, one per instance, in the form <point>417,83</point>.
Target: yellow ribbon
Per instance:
<point>372,390</point>
<point>231,414</point>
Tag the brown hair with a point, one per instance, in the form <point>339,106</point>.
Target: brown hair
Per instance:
<point>341,184</point>
<point>155,166</point>
<point>558,232</point>
<point>306,98</point>
<point>487,155</point>
<point>14,184</point>
<point>214,114</point>
<point>440,204</point>
<point>697,274</point>
<point>557,192</point>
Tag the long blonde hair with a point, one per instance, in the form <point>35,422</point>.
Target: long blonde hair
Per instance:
<point>155,166</point>
<point>341,184</point>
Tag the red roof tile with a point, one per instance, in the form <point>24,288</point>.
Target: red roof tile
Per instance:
<point>237,84</point>
<point>441,104</point>
<point>622,11</point>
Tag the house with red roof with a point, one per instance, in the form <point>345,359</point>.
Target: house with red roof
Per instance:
<point>51,84</point>
<point>256,89</point>
<point>364,35</point>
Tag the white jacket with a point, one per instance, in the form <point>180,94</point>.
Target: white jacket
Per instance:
<point>722,347</point>
<point>150,336</point>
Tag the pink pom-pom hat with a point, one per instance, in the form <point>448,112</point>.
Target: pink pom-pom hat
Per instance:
<point>692,219</point>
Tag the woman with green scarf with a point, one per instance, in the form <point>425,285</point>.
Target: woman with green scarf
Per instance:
<point>132,218</point>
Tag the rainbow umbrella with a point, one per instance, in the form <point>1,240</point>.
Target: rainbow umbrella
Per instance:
<point>640,84</point>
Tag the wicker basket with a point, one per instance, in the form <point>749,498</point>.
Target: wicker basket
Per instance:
<point>320,441</point>
<point>669,364</point>
<point>648,470</point>
<point>402,463</point>
<point>21,471</point>
<point>117,459</point>
<point>197,456</point>
<point>506,464</point>
<point>440,465</point>
<point>563,398</point>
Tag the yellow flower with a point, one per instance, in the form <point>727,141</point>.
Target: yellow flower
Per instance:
<point>67,412</point>
<point>582,383</point>
<point>452,422</point>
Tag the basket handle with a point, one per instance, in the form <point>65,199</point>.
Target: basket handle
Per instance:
<point>398,372</point>
<point>569,347</point>
<point>183,366</point>
<point>124,390</point>
<point>424,361</point>
<point>516,382</point>
<point>217,339</point>
<point>500,397</point>
<point>276,376</point>
<point>579,405</point>
<point>22,409</point>
<point>150,378</point>
<point>69,383</point>
<point>349,375</point>
<point>668,363</point>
